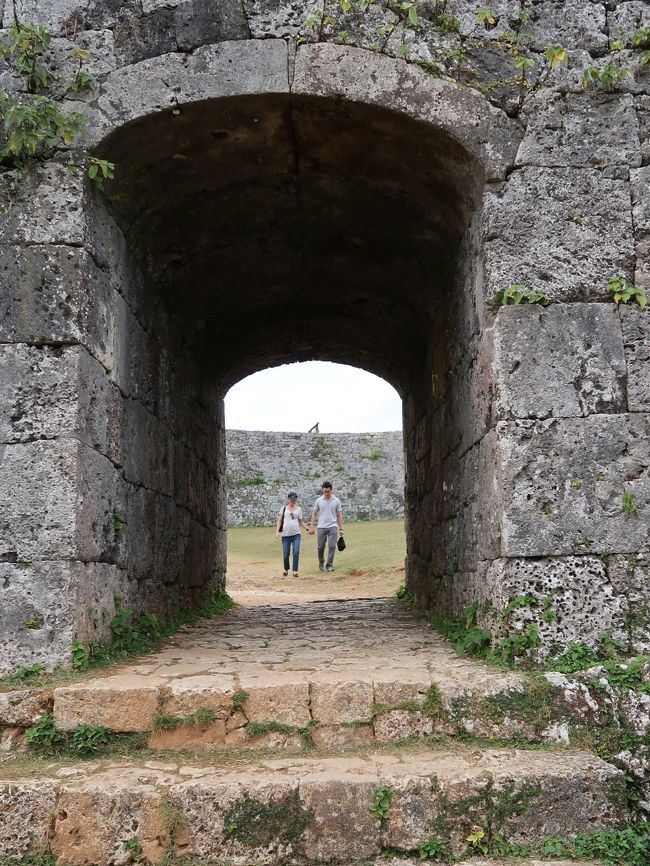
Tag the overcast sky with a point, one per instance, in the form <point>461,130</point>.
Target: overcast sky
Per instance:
<point>295,396</point>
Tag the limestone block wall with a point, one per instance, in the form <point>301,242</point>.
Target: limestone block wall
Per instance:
<point>525,427</point>
<point>366,469</point>
<point>109,450</point>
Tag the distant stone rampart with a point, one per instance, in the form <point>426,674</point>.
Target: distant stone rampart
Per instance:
<point>366,469</point>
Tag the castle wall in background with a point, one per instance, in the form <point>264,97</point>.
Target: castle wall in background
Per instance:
<point>366,469</point>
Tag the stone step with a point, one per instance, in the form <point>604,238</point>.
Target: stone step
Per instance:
<point>333,673</point>
<point>332,810</point>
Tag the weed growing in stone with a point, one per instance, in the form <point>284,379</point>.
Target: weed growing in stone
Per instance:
<point>629,505</point>
<point>25,675</point>
<point>433,849</point>
<point>134,634</point>
<point>200,717</point>
<point>238,700</point>
<point>518,293</point>
<point>256,824</point>
<point>624,293</point>
<point>627,847</point>
<point>134,848</point>
<point>35,125</point>
<point>607,77</point>
<point>84,741</point>
<point>89,739</point>
<point>381,799</point>
<point>402,594</point>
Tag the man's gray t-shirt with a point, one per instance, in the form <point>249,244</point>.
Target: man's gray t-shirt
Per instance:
<point>327,509</point>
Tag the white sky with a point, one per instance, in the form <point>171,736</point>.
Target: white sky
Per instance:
<point>295,396</point>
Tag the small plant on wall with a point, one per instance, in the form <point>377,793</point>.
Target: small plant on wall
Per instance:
<point>34,124</point>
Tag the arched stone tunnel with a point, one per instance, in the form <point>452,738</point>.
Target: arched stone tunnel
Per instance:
<point>269,208</point>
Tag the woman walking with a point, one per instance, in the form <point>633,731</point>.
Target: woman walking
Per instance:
<point>288,529</point>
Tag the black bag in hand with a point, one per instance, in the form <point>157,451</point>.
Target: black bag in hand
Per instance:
<point>341,543</point>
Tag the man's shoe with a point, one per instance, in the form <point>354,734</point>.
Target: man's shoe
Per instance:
<point>285,573</point>
<point>295,574</point>
<point>330,568</point>
<point>321,568</point>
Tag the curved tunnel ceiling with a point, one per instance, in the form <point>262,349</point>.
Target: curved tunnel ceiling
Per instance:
<point>294,228</point>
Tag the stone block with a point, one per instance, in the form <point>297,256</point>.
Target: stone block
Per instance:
<point>137,358</point>
<point>26,809</point>
<point>338,71</point>
<point>578,235</point>
<point>341,736</point>
<point>624,20</point>
<point>280,19</point>
<point>571,23</point>
<point>211,72</point>
<point>121,702</point>
<point>335,702</point>
<point>640,187</point>
<point>47,392</point>
<point>190,737</point>
<point>343,828</point>
<point>205,803</point>
<point>636,339</point>
<point>23,708</point>
<point>43,203</point>
<point>591,129</point>
<point>412,814</point>
<point>577,589</point>
<point>45,605</point>
<point>147,449</point>
<point>563,482</point>
<point>56,294</point>
<point>401,724</point>
<point>577,347</point>
<point>94,818</point>
<point>643,114</point>
<point>284,702</point>
<point>189,694</point>
<point>630,578</point>
<point>41,481</point>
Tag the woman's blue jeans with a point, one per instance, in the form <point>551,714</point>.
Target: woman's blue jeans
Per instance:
<point>287,542</point>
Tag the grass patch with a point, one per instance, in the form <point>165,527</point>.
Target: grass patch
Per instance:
<point>167,722</point>
<point>372,546</point>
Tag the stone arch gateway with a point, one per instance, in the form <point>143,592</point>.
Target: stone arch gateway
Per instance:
<point>276,204</point>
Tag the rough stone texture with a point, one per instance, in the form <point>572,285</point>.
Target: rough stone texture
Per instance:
<point>563,482</point>
<point>416,192</point>
<point>120,703</point>
<point>328,70</point>
<point>581,226</point>
<point>578,348</point>
<point>94,814</point>
<point>23,708</point>
<point>636,339</point>
<point>25,814</point>
<point>597,130</point>
<point>367,471</point>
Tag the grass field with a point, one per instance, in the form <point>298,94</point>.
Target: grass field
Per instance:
<point>374,557</point>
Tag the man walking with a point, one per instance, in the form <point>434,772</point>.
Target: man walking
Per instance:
<point>330,516</point>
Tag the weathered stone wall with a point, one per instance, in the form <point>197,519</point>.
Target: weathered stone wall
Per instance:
<point>111,455</point>
<point>366,469</point>
<point>408,193</point>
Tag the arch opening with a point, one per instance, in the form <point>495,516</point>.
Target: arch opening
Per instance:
<point>269,229</point>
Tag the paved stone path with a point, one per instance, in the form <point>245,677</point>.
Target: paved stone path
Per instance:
<point>360,639</point>
<point>326,663</point>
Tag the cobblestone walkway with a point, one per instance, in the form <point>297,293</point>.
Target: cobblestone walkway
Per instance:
<point>360,639</point>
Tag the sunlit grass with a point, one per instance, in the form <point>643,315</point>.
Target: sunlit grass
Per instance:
<point>371,546</point>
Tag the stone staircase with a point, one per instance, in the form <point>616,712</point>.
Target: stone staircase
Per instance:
<point>322,732</point>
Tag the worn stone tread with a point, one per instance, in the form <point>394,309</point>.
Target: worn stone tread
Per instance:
<point>328,661</point>
<point>86,810</point>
